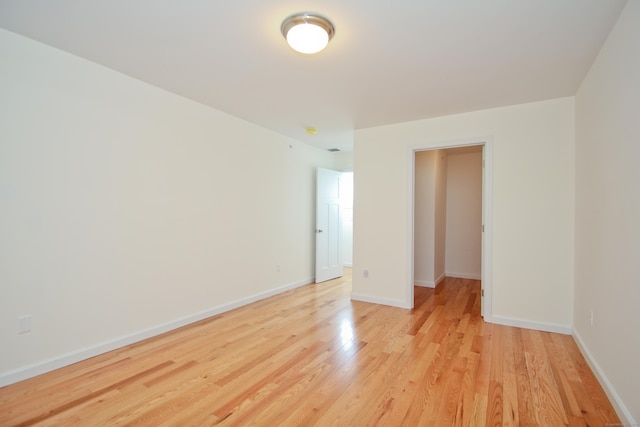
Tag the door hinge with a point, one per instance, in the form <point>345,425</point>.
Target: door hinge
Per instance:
<point>483,228</point>
<point>482,293</point>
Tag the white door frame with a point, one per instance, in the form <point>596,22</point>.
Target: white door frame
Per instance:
<point>487,197</point>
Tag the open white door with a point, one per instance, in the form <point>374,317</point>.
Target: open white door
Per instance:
<point>328,225</point>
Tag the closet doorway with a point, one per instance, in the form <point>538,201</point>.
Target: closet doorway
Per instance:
<point>451,222</point>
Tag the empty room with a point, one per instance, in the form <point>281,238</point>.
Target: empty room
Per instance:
<point>179,245</point>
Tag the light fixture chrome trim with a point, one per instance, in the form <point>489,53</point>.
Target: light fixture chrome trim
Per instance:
<point>307,18</point>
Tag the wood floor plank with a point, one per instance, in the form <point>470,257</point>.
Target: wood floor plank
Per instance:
<point>510,411</point>
<point>311,356</point>
<point>465,413</point>
<point>396,412</point>
<point>526,409</point>
<point>544,389</point>
<point>496,375</point>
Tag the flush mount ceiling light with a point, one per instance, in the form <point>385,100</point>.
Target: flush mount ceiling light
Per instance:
<point>307,32</point>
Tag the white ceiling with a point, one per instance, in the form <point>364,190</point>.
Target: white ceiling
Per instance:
<point>389,62</point>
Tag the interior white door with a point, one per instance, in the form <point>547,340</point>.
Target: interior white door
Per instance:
<point>328,225</point>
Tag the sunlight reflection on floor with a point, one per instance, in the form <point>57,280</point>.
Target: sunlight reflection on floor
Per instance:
<point>347,336</point>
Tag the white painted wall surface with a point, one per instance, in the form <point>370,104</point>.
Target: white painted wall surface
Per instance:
<point>607,241</point>
<point>429,217</point>
<point>533,214</point>
<point>346,210</point>
<point>124,207</point>
<point>424,218</point>
<point>440,219</point>
<point>464,215</point>
<point>342,161</point>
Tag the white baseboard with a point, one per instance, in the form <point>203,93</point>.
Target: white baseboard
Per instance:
<point>347,264</point>
<point>424,284</point>
<point>429,284</point>
<point>525,324</point>
<point>20,374</point>
<point>376,300</point>
<point>464,276</point>
<point>616,401</point>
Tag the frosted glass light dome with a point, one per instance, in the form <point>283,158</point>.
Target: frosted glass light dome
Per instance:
<point>307,32</point>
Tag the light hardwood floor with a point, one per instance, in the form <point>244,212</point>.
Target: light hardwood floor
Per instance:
<point>313,357</point>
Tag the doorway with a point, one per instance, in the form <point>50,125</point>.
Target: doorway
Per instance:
<point>434,270</point>
<point>328,225</point>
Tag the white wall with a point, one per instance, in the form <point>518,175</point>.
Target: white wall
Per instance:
<point>607,241</point>
<point>440,219</point>
<point>124,208</point>
<point>429,217</point>
<point>343,161</point>
<point>424,219</point>
<point>533,216</point>
<point>464,215</point>
<point>346,211</point>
